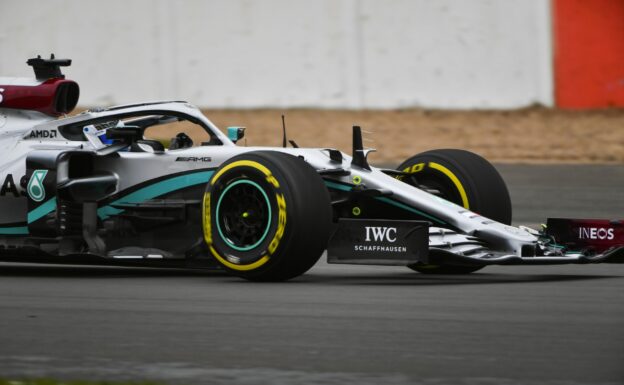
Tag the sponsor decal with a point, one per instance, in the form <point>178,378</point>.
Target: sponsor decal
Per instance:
<point>379,242</point>
<point>468,214</point>
<point>193,159</point>
<point>36,189</point>
<point>595,233</point>
<point>383,235</point>
<point>388,249</point>
<point>379,234</point>
<point>10,188</point>
<point>43,134</point>
<point>1,97</point>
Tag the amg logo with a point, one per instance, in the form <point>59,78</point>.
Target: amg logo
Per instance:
<point>193,159</point>
<point>595,233</point>
<point>380,234</point>
<point>42,134</point>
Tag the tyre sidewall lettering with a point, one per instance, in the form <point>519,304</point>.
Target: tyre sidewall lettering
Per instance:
<point>450,176</point>
<point>281,223</point>
<point>415,168</point>
<point>206,218</point>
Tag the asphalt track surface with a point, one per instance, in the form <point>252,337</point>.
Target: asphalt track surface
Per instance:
<point>337,324</point>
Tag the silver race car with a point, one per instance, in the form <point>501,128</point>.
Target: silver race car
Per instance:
<point>158,184</point>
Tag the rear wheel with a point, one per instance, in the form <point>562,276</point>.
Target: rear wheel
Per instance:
<point>465,179</point>
<point>266,216</point>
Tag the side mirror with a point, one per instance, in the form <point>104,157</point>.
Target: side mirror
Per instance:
<point>235,133</point>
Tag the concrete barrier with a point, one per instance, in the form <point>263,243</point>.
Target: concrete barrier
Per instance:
<point>291,53</point>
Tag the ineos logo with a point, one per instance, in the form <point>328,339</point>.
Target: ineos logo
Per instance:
<point>595,233</point>
<point>1,91</point>
<point>380,234</point>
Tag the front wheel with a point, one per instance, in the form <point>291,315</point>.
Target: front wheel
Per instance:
<point>465,179</point>
<point>266,216</point>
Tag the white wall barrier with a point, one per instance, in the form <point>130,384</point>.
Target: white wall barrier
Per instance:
<point>291,53</point>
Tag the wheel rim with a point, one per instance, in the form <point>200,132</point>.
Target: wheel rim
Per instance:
<point>243,214</point>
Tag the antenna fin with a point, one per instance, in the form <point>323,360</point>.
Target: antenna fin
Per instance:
<point>284,141</point>
<point>359,154</point>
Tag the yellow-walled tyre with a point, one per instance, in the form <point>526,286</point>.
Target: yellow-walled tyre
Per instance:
<point>465,179</point>
<point>266,216</point>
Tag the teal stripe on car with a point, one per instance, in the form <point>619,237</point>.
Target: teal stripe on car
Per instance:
<point>19,230</point>
<point>337,186</point>
<point>342,187</point>
<point>42,210</point>
<point>38,213</point>
<point>152,191</point>
<point>408,208</point>
<point>155,190</point>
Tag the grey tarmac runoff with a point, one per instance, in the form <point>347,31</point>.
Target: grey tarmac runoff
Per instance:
<point>337,324</point>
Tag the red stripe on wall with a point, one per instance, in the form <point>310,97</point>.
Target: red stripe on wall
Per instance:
<point>589,53</point>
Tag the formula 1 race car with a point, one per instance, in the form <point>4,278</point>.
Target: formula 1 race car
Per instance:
<point>158,184</point>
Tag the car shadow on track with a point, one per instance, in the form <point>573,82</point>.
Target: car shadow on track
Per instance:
<point>314,278</point>
<point>74,271</point>
<point>412,279</point>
